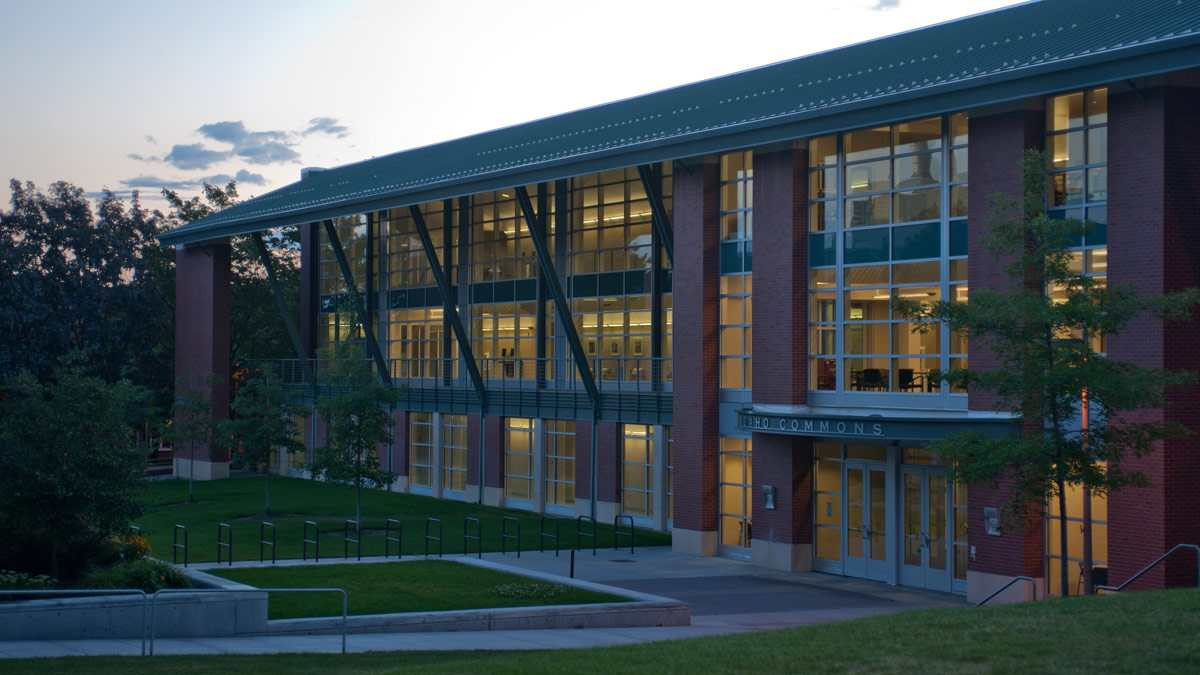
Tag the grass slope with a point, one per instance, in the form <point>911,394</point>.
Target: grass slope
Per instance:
<point>416,586</point>
<point>1132,633</point>
<point>240,502</point>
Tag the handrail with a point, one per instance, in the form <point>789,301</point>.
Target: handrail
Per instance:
<point>356,540</point>
<point>1147,568</point>
<point>428,537</point>
<point>315,541</point>
<point>579,533</point>
<point>545,535</point>
<point>154,602</point>
<point>262,540</point>
<point>78,591</point>
<point>175,544</point>
<point>388,538</point>
<point>227,545</point>
<point>998,591</point>
<point>478,536</point>
<point>505,536</point>
<point>618,533</point>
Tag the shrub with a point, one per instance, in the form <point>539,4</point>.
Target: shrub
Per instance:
<point>19,581</point>
<point>145,573</point>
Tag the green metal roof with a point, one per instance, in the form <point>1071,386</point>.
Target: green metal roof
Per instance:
<point>1026,50</point>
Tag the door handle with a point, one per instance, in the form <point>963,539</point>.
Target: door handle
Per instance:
<point>864,531</point>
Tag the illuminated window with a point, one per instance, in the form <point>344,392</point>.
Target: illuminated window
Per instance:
<point>454,452</point>
<point>736,492</point>
<point>637,470</point>
<point>518,458</point>
<point>560,462</point>
<point>420,449</point>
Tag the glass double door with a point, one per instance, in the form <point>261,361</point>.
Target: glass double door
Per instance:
<point>865,544</point>
<point>926,549</point>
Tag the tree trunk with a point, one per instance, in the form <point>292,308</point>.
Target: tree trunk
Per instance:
<point>1062,537</point>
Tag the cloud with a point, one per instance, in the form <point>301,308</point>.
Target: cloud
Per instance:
<point>268,153</point>
<point>326,125</point>
<point>155,183</point>
<point>244,176</point>
<point>194,156</point>
<point>884,5</point>
<point>150,140</point>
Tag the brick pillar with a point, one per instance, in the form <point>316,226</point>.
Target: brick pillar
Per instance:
<point>202,345</point>
<point>998,140</point>
<point>696,284</point>
<point>1153,220</point>
<point>608,471</point>
<point>583,467</point>
<point>782,535</point>
<point>493,459</point>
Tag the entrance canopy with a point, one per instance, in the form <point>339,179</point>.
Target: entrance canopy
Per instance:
<point>921,426</point>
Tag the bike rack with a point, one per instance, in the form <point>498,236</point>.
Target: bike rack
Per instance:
<point>618,533</point>
<point>166,591</point>
<point>356,540</point>
<point>505,536</point>
<point>262,540</point>
<point>175,545</point>
<point>478,536</point>
<point>1147,568</point>
<point>315,541</point>
<point>579,533</point>
<point>546,535</point>
<point>388,538</point>
<point>998,591</point>
<point>429,537</point>
<point>227,544</point>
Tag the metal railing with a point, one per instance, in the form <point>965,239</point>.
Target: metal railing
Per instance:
<point>429,537</point>
<point>168,591</point>
<point>618,532</point>
<point>262,540</point>
<point>478,536</point>
<point>998,591</point>
<point>175,546</point>
<point>388,538</point>
<point>1147,568</point>
<point>315,541</point>
<point>505,536</point>
<point>79,592</point>
<point>226,544</point>
<point>580,534</point>
<point>356,540</point>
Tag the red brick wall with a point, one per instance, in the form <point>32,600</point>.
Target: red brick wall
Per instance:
<point>583,460</point>
<point>1154,178</point>
<point>608,461</point>
<point>493,451</point>
<point>202,330</point>
<point>997,143</point>
<point>472,453</point>
<point>786,463</point>
<point>695,288</point>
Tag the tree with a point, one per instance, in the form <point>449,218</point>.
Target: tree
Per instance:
<point>1044,328</point>
<point>358,422</point>
<point>262,422</point>
<point>70,472</point>
<point>192,421</point>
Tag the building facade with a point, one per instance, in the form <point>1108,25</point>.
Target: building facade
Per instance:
<point>677,308</point>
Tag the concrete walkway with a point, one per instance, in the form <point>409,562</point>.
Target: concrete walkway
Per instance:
<point>727,596</point>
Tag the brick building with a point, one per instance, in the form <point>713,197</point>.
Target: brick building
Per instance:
<point>570,302</point>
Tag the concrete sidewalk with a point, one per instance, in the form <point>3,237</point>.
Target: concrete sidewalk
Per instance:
<point>727,596</point>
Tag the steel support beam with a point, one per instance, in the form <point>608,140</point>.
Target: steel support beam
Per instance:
<point>450,308</point>
<point>385,374</point>
<point>562,310</point>
<point>283,311</point>
<point>658,213</point>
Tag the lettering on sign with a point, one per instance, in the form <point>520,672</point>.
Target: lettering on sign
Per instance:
<point>798,425</point>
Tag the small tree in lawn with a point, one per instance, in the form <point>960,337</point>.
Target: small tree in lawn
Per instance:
<point>1043,329</point>
<point>192,422</point>
<point>357,421</point>
<point>262,422</point>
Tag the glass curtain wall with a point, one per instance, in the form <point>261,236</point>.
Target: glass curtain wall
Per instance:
<point>637,470</point>
<point>518,458</point>
<point>337,319</point>
<point>887,217</point>
<point>420,449</point>
<point>454,452</point>
<point>736,492</point>
<point>560,462</point>
<point>737,232</point>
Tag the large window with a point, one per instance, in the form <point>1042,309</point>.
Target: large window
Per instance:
<point>505,339</point>
<point>518,458</point>
<point>637,470</point>
<point>615,333</point>
<point>560,462</point>
<point>736,492</point>
<point>415,340</point>
<point>501,247</point>
<point>420,449</point>
<point>611,221</point>
<point>454,453</point>
<point>1073,522</point>
<point>338,320</point>
<point>736,331</point>
<point>408,266</point>
<point>887,217</point>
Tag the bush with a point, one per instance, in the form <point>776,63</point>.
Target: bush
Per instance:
<point>145,573</point>
<point>19,581</point>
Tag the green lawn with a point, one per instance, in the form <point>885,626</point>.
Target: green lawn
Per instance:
<point>240,502</point>
<point>416,586</point>
<point>1131,633</point>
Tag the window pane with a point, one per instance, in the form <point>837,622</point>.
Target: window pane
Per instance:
<point>917,205</point>
<point>916,241</point>
<point>867,143</point>
<point>866,246</point>
<point>920,135</point>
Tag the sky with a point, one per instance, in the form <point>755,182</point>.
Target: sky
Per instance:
<point>131,95</point>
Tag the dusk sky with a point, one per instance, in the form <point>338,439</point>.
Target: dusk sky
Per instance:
<point>141,95</point>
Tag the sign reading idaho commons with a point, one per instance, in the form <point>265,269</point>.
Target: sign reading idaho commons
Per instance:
<point>891,428</point>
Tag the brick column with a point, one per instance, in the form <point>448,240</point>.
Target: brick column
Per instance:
<point>399,449</point>
<point>998,140</point>
<point>608,471</point>
<point>583,467</point>
<point>782,535</point>
<point>202,345</point>
<point>696,284</point>
<point>1153,221</point>
<point>493,459</point>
